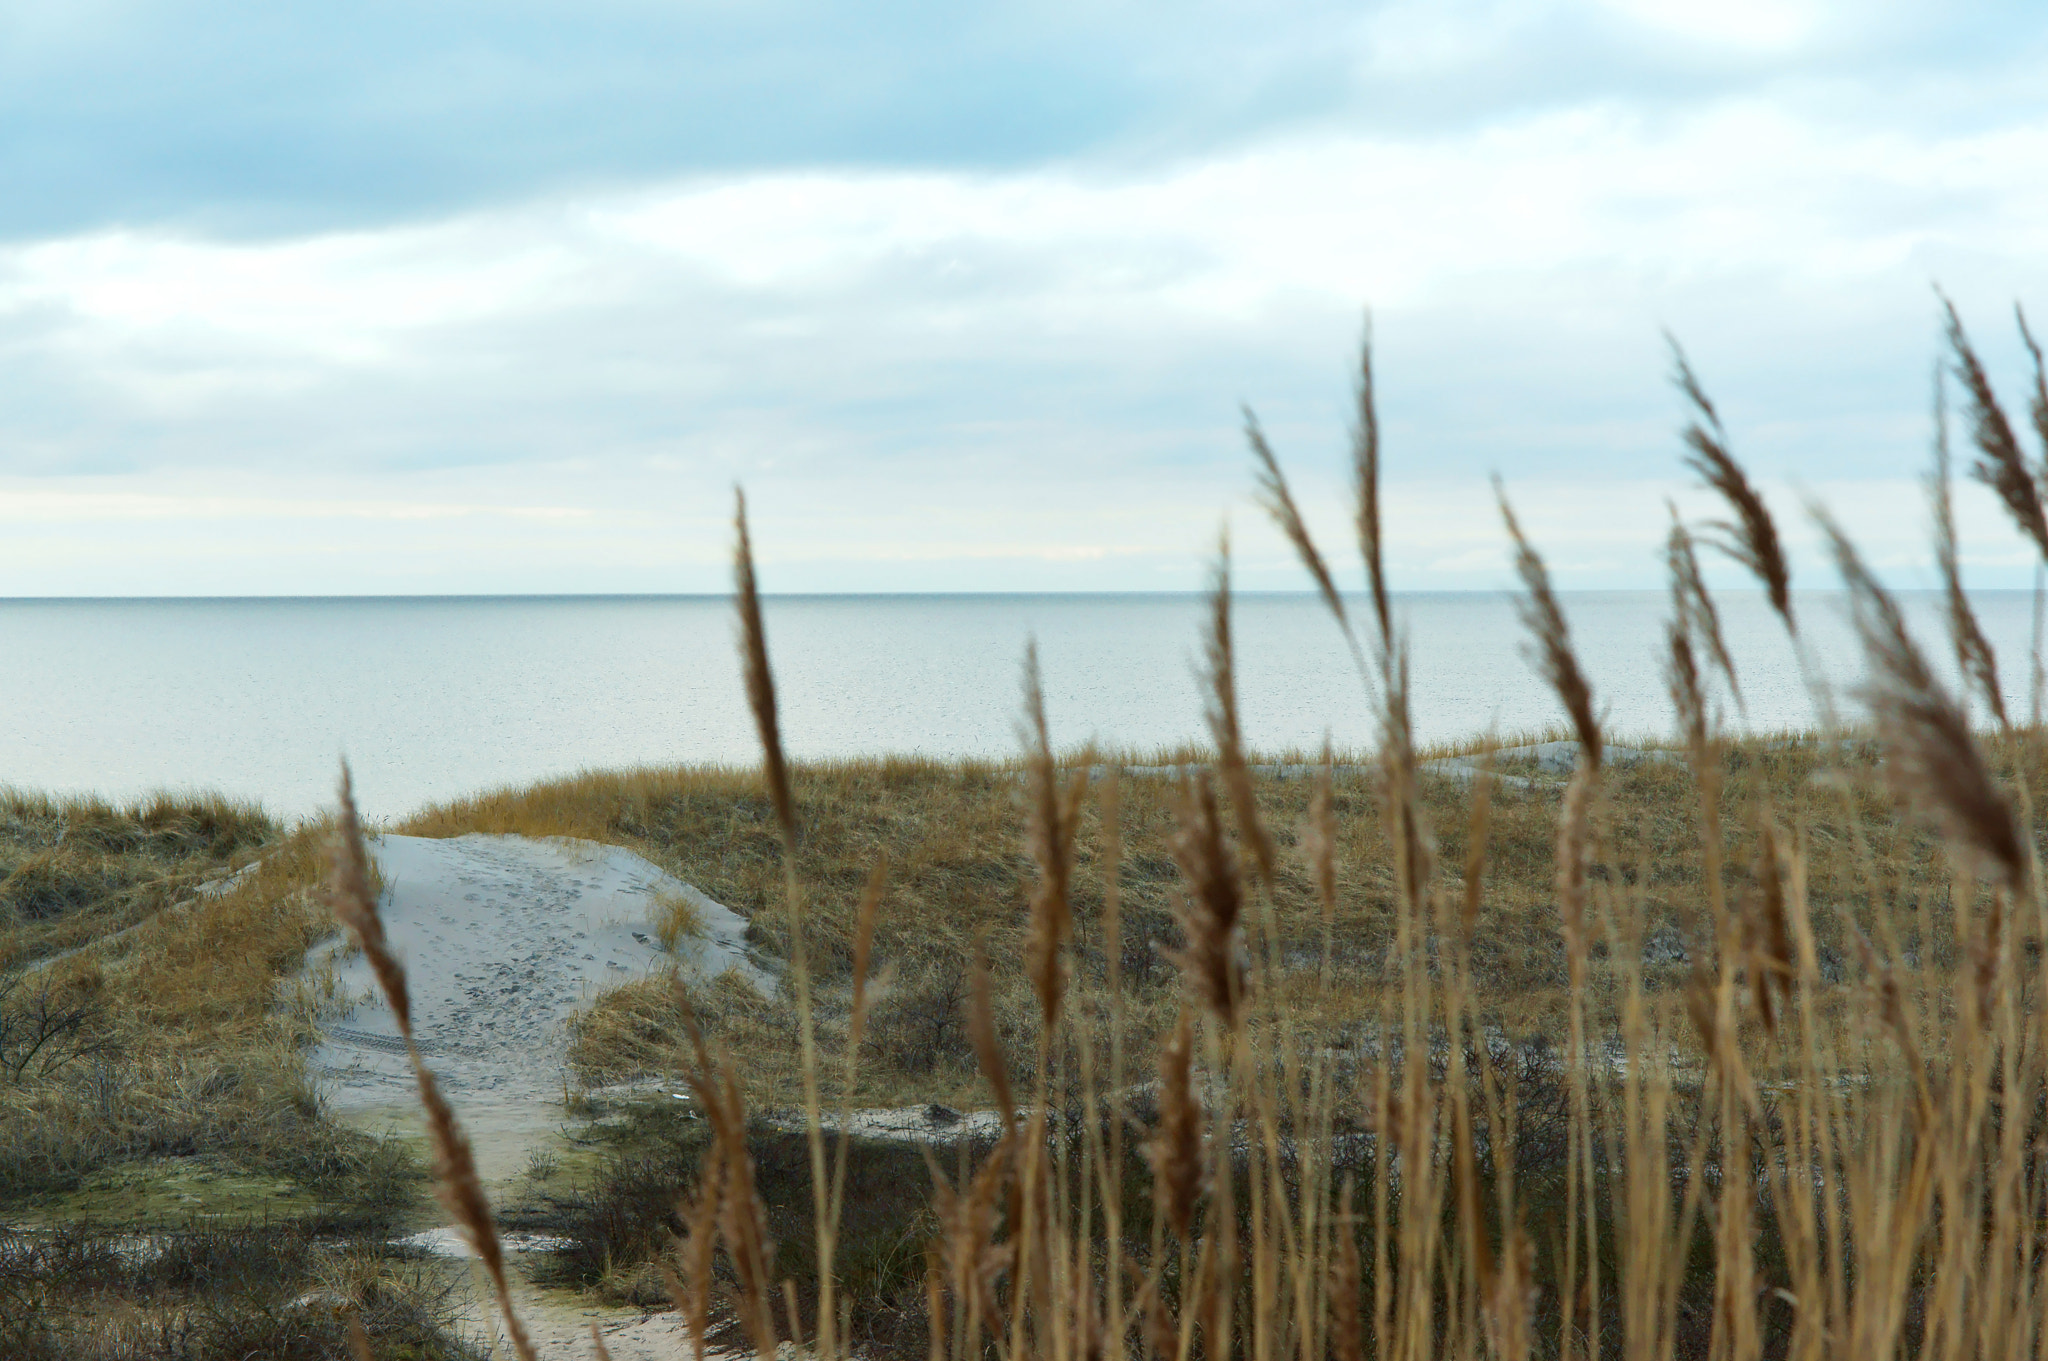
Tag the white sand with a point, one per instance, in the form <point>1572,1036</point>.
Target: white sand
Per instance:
<point>504,938</point>
<point>1555,762</point>
<point>930,1124</point>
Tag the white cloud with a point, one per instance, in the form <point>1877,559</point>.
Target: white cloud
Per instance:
<point>1019,355</point>
<point>32,504</point>
<point>1746,25</point>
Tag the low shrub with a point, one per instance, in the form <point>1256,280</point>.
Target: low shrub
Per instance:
<point>217,1293</point>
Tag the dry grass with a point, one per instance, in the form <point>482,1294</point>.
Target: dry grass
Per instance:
<point>188,1046</point>
<point>959,868</point>
<point>73,870</point>
<point>203,1205</point>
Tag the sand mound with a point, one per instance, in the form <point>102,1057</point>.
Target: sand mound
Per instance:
<point>504,938</point>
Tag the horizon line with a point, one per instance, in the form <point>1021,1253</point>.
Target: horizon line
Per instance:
<point>1104,594</point>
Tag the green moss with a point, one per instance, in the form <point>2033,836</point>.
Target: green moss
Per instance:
<point>170,1191</point>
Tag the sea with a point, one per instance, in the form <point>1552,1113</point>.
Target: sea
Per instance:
<point>432,698</point>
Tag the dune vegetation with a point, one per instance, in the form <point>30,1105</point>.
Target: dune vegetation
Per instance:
<point>172,1185</point>
<point>1730,1048</point>
<point>956,870</point>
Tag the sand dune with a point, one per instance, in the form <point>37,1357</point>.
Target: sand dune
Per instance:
<point>504,938</point>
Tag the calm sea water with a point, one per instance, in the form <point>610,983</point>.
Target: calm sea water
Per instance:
<point>433,698</point>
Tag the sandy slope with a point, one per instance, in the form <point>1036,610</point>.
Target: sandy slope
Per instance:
<point>503,939</point>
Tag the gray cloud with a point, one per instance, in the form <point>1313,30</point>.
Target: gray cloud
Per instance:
<point>225,118</point>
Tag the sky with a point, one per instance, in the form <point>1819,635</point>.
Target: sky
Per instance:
<point>446,297</point>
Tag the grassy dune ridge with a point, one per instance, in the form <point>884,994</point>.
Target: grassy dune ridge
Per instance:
<point>958,870</point>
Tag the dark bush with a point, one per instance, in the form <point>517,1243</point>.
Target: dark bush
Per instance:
<point>923,1027</point>
<point>47,1025</point>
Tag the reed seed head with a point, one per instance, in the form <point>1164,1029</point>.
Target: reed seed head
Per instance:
<point>742,1218</point>
<point>1278,502</point>
<point>1693,606</point>
<point>1053,815</point>
<point>2000,465</point>
<point>1365,472</point>
<point>461,1192</point>
<point>456,1182</point>
<point>1768,930</point>
<point>1682,678</point>
<point>690,1280</point>
<point>974,1261</point>
<point>743,1223</point>
<point>1211,963</point>
<point>1219,680</point>
<point>988,1047</point>
<point>1550,639</point>
<point>1717,1030</point>
<point>1751,538</point>
<point>354,903</point>
<point>1932,763</point>
<point>1975,660</point>
<point>1175,1149</point>
<point>2037,405</point>
<point>760,681</point>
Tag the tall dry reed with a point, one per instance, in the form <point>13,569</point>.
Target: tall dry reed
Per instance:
<point>456,1182</point>
<point>1975,660</point>
<point>1755,1159</point>
<point>1751,538</point>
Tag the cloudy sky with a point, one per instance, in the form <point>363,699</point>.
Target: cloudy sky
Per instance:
<point>443,296</point>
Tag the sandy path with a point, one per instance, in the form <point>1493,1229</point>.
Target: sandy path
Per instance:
<point>504,939</point>
<point>561,1332</point>
<point>558,1323</point>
